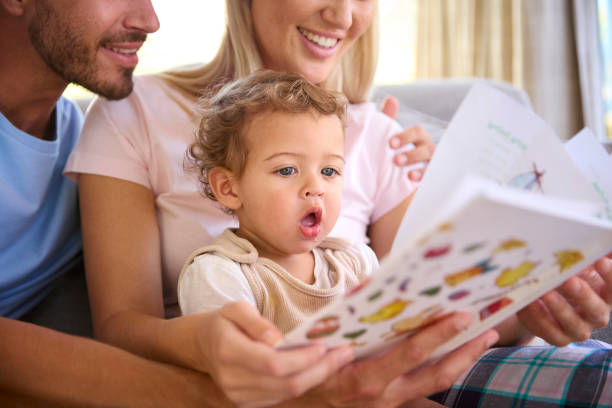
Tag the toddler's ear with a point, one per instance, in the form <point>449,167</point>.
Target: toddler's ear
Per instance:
<point>222,183</point>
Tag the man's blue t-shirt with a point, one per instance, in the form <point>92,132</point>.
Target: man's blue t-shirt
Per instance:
<point>39,221</point>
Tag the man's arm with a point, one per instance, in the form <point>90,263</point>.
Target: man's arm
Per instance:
<point>45,367</point>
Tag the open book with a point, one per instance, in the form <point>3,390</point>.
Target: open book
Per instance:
<point>505,213</point>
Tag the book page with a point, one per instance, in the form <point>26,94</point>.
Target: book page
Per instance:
<point>489,256</point>
<point>504,214</point>
<point>494,136</point>
<point>595,162</point>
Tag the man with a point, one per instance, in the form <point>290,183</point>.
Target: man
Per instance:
<point>46,44</point>
<point>42,54</point>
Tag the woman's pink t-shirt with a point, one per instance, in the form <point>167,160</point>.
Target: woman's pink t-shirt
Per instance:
<point>143,139</point>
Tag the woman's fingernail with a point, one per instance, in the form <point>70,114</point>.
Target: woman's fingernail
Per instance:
<point>401,159</point>
<point>395,142</point>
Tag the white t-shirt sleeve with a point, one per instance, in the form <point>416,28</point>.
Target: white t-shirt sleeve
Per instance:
<point>368,262</point>
<point>210,282</point>
<point>370,259</point>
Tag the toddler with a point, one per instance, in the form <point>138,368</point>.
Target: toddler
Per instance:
<point>270,150</point>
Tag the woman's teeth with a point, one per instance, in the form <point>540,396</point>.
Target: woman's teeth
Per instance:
<point>324,42</point>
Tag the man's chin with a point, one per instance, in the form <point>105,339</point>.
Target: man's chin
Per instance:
<point>117,93</point>
<point>116,89</point>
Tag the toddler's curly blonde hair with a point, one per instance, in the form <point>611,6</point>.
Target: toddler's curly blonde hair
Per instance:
<point>218,141</point>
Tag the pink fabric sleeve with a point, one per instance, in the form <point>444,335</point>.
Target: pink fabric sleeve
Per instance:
<point>112,142</point>
<point>393,183</point>
<point>373,173</point>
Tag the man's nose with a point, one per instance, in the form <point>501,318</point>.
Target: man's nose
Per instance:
<point>141,16</point>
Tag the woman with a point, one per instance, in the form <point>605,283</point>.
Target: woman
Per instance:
<point>142,215</point>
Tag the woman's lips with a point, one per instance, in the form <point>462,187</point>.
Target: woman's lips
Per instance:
<point>319,45</point>
<point>321,40</point>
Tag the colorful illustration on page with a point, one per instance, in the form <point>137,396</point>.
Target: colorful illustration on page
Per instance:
<point>475,264</point>
<point>505,263</point>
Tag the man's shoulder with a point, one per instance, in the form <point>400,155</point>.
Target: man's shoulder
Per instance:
<point>69,121</point>
<point>68,107</point>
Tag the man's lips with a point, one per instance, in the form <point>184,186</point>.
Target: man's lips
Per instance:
<point>123,53</point>
<point>124,47</point>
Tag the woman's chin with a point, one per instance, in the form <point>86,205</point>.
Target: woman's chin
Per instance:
<point>316,75</point>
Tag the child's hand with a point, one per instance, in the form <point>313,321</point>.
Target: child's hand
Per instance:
<point>423,144</point>
<point>238,350</point>
<point>571,312</point>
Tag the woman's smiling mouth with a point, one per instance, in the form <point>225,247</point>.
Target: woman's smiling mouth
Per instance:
<point>321,41</point>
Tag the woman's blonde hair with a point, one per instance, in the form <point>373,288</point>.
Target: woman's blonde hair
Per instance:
<point>238,56</point>
<point>219,140</point>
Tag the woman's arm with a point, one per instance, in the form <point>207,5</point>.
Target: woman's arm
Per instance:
<point>122,263</point>
<point>382,231</point>
<point>121,243</point>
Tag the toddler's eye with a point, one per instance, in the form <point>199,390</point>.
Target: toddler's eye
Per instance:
<point>286,171</point>
<point>329,172</point>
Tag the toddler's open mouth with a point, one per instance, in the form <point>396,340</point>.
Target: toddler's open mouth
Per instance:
<point>310,224</point>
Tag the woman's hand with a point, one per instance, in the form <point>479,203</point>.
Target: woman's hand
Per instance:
<point>571,312</point>
<point>399,375</point>
<point>238,350</point>
<point>423,145</point>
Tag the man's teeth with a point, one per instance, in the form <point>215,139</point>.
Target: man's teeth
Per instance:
<point>324,42</point>
<point>124,50</point>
